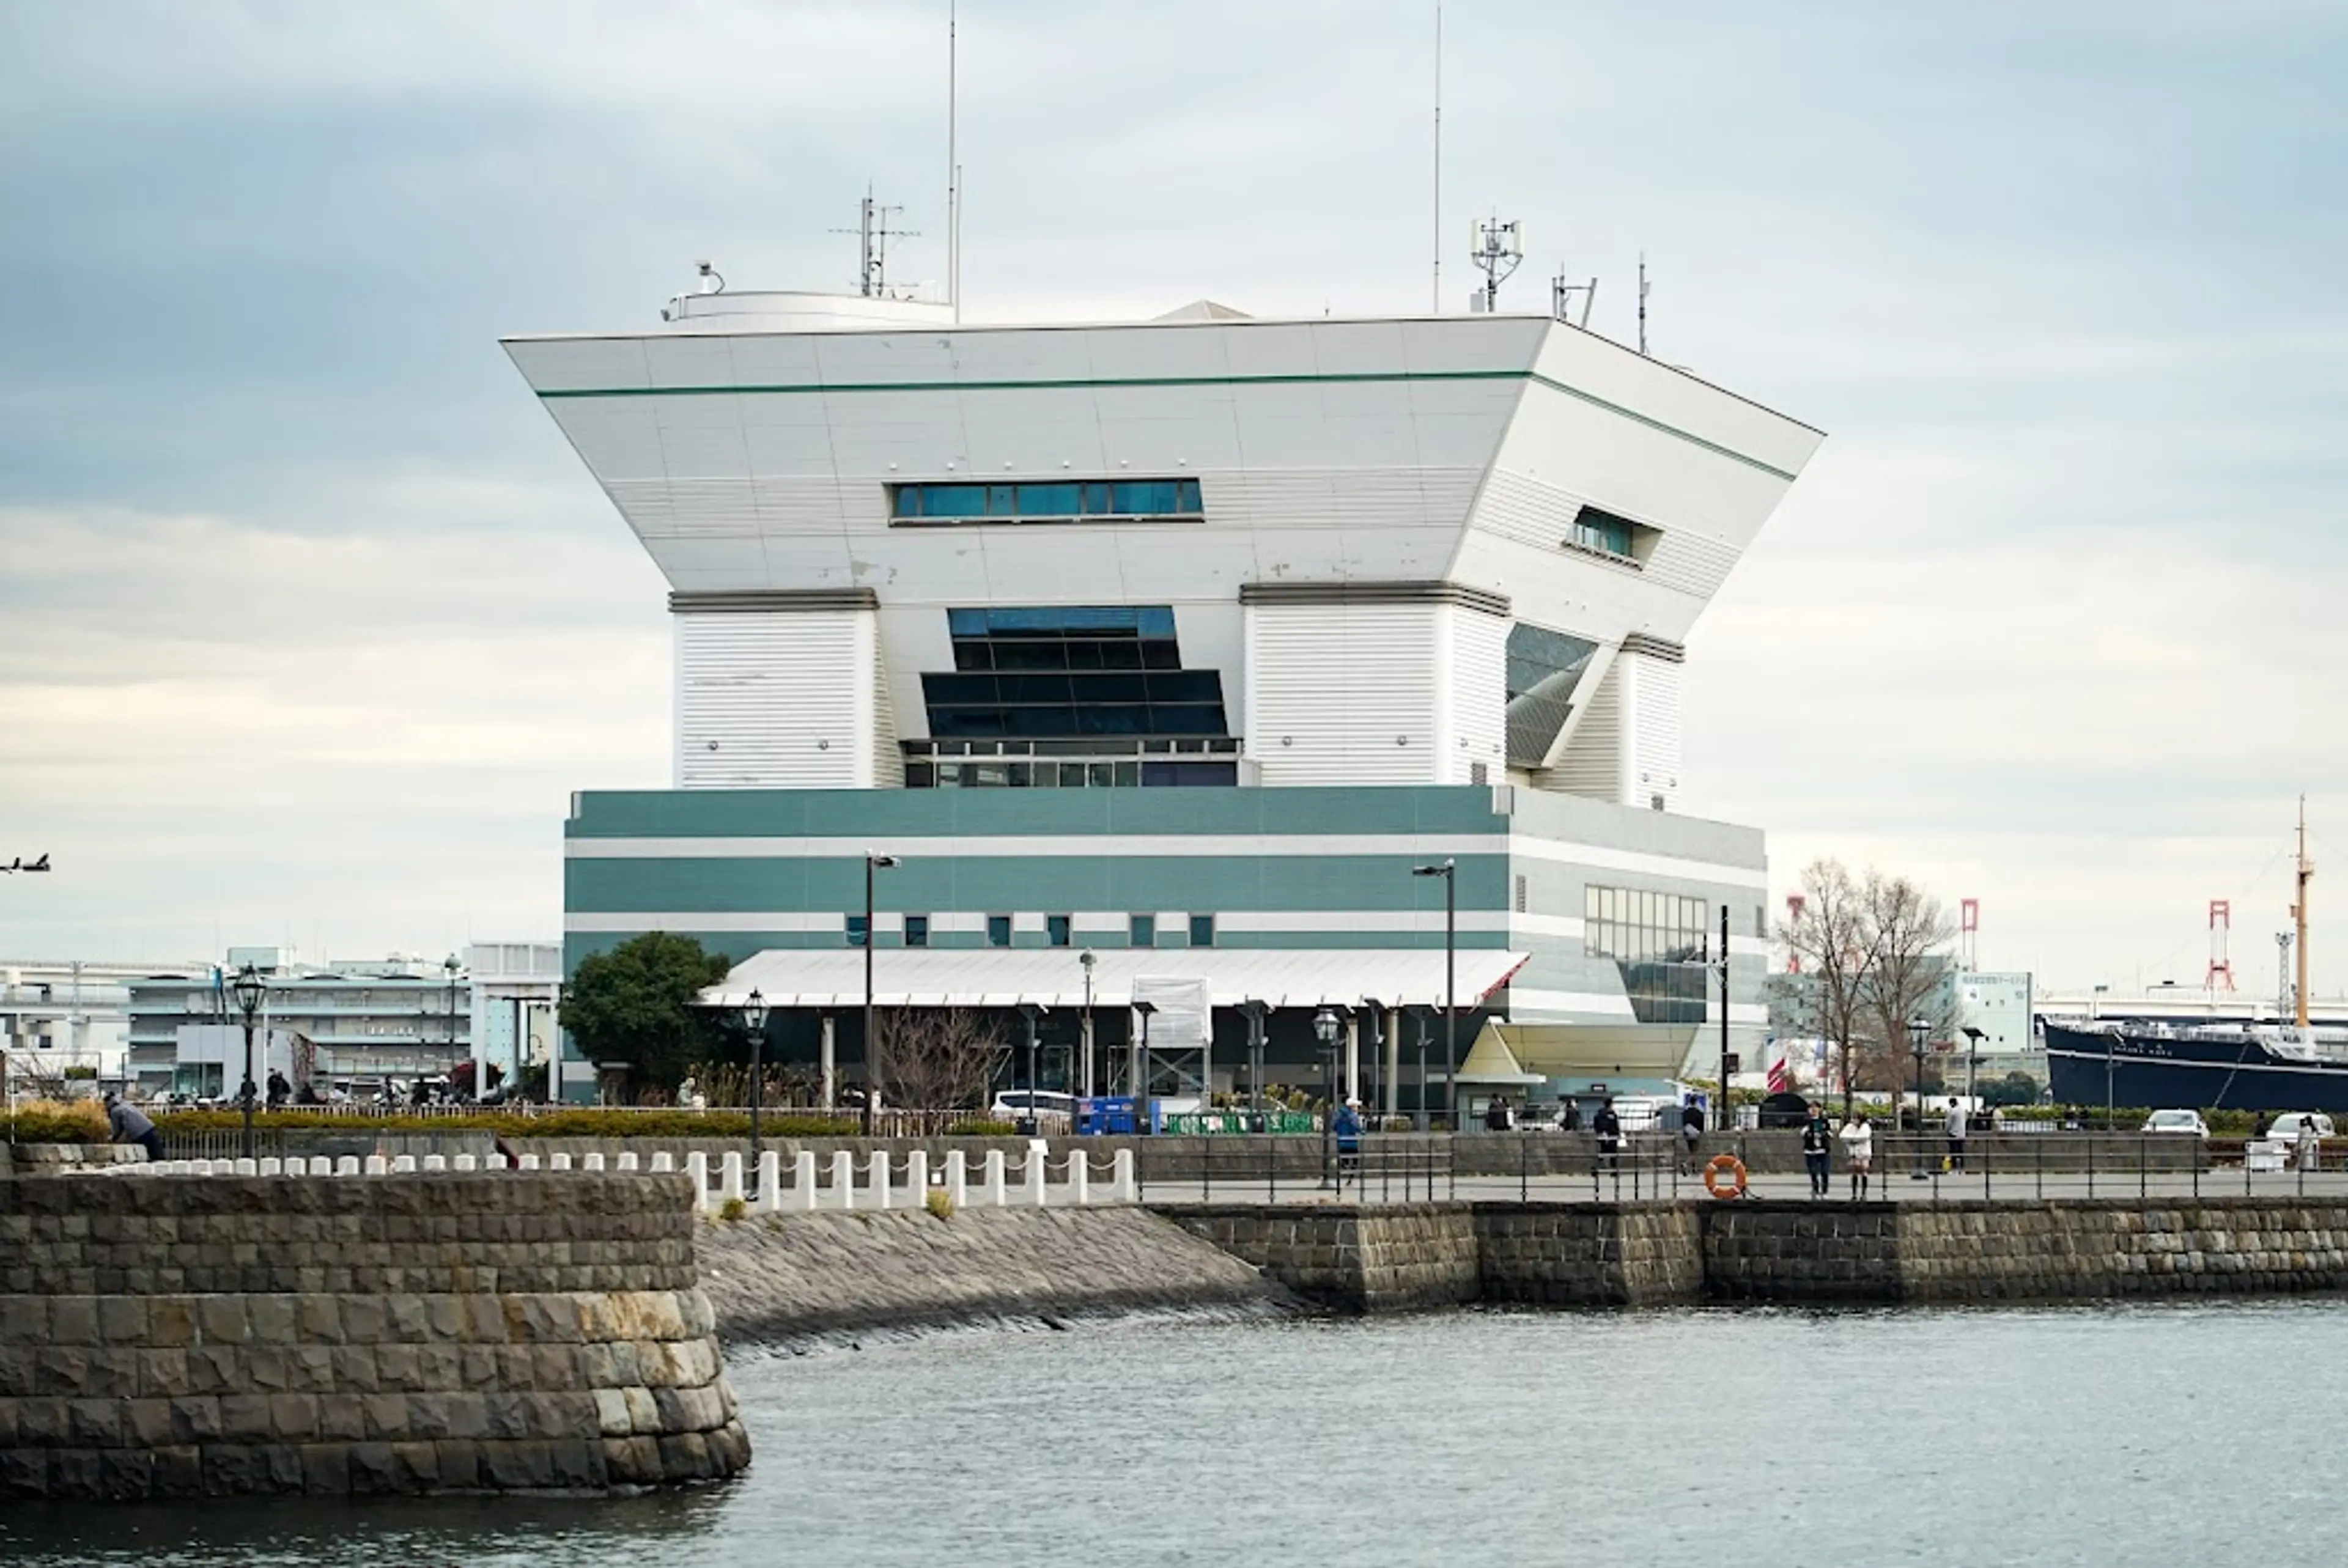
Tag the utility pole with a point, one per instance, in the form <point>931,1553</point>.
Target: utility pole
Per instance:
<point>1720,1114</point>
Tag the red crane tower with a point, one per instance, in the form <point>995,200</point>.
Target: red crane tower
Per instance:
<point>2221,969</point>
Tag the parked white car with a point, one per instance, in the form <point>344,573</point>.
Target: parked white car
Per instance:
<point>2177,1121</point>
<point>2287,1126</point>
<point>1013,1103</point>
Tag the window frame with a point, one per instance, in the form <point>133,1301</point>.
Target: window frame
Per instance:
<point>857,930</point>
<point>1140,926</point>
<point>1202,923</point>
<point>1059,930</point>
<point>1009,928</point>
<point>917,931</point>
<point>1116,500</point>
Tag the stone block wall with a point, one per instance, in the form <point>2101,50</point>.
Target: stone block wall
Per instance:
<point>1349,1257</point>
<point>1588,1254</point>
<point>167,1336</point>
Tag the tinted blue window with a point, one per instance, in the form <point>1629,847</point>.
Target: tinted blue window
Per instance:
<point>998,930</point>
<point>1141,931</point>
<point>1066,500</point>
<point>857,931</point>
<point>917,930</point>
<point>1048,501</point>
<point>1056,930</point>
<point>1203,930</point>
<point>953,500</point>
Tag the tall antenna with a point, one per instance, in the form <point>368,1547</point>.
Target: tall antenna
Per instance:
<point>2282,973</point>
<point>954,168</point>
<point>1438,156</point>
<point>1500,252</point>
<point>1969,934</point>
<point>873,235</point>
<point>1642,302</point>
<point>2299,918</point>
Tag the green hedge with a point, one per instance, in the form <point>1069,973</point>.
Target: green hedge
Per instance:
<point>574,1123</point>
<point>46,1121</point>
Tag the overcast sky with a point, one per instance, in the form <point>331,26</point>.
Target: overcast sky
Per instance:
<point>309,619</point>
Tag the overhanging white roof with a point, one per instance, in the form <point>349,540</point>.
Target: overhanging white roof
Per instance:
<point>997,977</point>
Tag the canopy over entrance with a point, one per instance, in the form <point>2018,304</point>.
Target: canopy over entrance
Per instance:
<point>1054,977</point>
<point>1534,1053</point>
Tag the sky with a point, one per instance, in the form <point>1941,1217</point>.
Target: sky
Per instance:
<point>310,621</point>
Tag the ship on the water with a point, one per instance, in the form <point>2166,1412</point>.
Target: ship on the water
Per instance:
<point>2230,1066</point>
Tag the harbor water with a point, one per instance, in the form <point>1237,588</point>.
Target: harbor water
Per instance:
<point>2153,1434</point>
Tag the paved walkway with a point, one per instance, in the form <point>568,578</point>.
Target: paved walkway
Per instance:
<point>2020,1185</point>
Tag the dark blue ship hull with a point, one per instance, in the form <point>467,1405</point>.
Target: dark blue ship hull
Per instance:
<point>2156,1072</point>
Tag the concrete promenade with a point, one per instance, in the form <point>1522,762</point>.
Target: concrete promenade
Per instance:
<point>1397,1186</point>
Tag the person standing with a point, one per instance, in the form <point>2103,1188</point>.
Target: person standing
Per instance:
<point>1569,1119</point>
<point>126,1124</point>
<point>1956,1124</point>
<point>1859,1149</point>
<point>2310,1145</point>
<point>1690,1135</point>
<point>1349,1140</point>
<point>1818,1149</point>
<point>1609,1129</point>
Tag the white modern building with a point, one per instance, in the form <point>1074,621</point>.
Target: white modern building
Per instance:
<point>62,1022</point>
<point>1194,634</point>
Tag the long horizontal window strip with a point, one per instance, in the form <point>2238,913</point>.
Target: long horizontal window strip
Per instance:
<point>1056,501</point>
<point>821,389</point>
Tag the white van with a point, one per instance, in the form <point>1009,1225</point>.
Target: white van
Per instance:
<point>2287,1126</point>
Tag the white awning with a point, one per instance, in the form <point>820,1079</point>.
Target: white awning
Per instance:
<point>999,977</point>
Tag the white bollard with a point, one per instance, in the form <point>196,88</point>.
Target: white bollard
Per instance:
<point>663,1163</point>
<point>377,1165</point>
<point>696,1166</point>
<point>248,1167</point>
<point>271,1166</point>
<point>880,1196</point>
<point>802,1197</point>
<point>628,1160</point>
<point>403,1164</point>
<point>590,1162</point>
<point>1079,1176</point>
<point>843,1179</point>
<point>347,1165</point>
<point>917,1178</point>
<point>1031,1174</point>
<point>1122,1186</point>
<point>204,1167</point>
<point>995,1193</point>
<point>436,1162</point>
<point>770,1182</point>
<point>466,1163</point>
<point>729,1176</point>
<point>557,1161</point>
<point>957,1177</point>
<point>528,1163</point>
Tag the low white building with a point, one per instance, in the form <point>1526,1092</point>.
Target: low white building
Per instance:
<point>62,1022</point>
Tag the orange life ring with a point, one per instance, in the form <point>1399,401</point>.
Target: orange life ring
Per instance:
<point>1723,1176</point>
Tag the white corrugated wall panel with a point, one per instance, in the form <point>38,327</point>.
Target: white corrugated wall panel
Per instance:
<point>1655,703</point>
<point>760,704</point>
<point>1477,675</point>
<point>1342,693</point>
<point>1592,764</point>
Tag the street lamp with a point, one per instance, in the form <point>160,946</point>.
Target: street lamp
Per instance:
<point>1325,1027</point>
<point>1973,1036</point>
<point>1031,1124</point>
<point>449,967</point>
<point>1449,871</point>
<point>248,991</point>
<point>1916,1026</point>
<point>1087,959</point>
<point>873,863</point>
<point>754,1022</point>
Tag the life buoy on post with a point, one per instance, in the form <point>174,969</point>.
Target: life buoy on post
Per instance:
<point>1723,1176</point>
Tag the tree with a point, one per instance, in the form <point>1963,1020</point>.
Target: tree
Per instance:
<point>1827,935</point>
<point>2014,1089</point>
<point>1909,932</point>
<point>939,1059</point>
<point>635,1004</point>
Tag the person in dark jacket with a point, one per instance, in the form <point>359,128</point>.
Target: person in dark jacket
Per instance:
<point>1569,1119</point>
<point>1818,1150</point>
<point>1690,1135</point>
<point>126,1124</point>
<point>279,1090</point>
<point>1609,1129</point>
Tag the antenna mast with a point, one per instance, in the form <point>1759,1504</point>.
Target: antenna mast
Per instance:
<point>953,169</point>
<point>873,234</point>
<point>2221,967</point>
<point>1499,251</point>
<point>2299,917</point>
<point>1643,303</point>
<point>1561,299</point>
<point>1438,158</point>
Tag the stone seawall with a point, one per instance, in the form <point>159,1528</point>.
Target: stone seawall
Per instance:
<point>782,1277</point>
<point>217,1336</point>
<point>1380,1258</point>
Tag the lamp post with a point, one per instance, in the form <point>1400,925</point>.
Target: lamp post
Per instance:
<point>449,966</point>
<point>1449,871</point>
<point>754,1023</point>
<point>1032,1122</point>
<point>873,863</point>
<point>1324,1028</point>
<point>2111,1047</point>
<point>1137,1070</point>
<point>1916,1026</point>
<point>1082,1090</point>
<point>1973,1036</point>
<point>249,989</point>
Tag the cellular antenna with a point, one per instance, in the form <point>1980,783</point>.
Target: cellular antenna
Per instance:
<point>873,235</point>
<point>1642,302</point>
<point>1499,251</point>
<point>1438,158</point>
